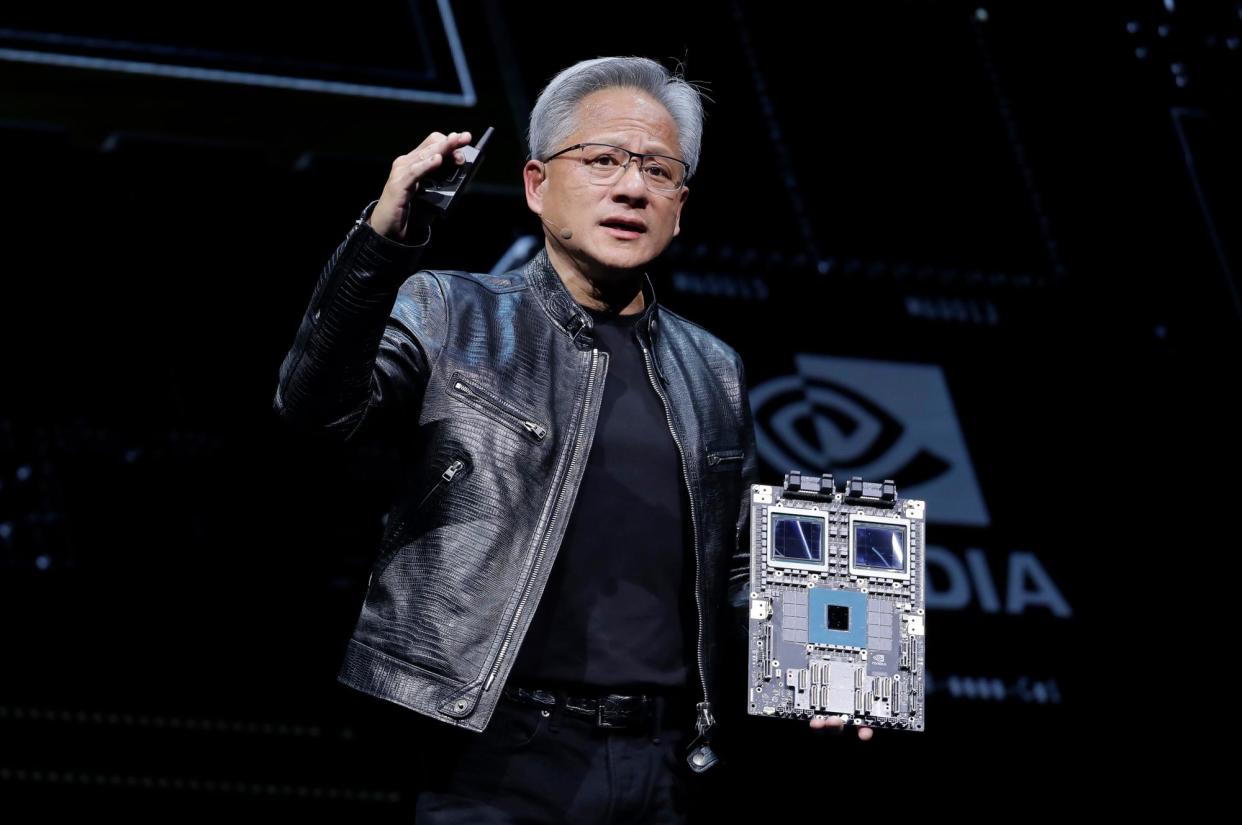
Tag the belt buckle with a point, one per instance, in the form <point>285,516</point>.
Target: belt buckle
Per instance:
<point>636,711</point>
<point>602,716</point>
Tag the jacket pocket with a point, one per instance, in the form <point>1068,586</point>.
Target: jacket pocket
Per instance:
<point>452,472</point>
<point>496,409</point>
<point>724,459</point>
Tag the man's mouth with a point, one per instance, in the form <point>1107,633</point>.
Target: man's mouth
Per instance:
<point>624,227</point>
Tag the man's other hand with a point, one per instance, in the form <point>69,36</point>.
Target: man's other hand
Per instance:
<point>837,724</point>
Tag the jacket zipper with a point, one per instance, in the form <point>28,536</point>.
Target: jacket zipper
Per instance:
<point>531,428</point>
<point>703,720</point>
<point>723,455</point>
<point>446,477</point>
<point>543,545</point>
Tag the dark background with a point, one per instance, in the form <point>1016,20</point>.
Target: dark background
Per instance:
<point>1036,202</point>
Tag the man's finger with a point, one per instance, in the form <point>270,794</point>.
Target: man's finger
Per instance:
<point>449,146</point>
<point>832,722</point>
<point>427,147</point>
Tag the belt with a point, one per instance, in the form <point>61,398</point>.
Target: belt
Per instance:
<point>607,710</point>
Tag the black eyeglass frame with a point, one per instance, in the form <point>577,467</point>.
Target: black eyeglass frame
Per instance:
<point>640,155</point>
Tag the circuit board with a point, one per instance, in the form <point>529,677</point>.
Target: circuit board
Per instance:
<point>837,605</point>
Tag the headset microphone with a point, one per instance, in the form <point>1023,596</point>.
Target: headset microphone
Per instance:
<point>566,233</point>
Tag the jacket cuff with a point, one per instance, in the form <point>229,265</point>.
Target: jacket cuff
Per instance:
<point>384,250</point>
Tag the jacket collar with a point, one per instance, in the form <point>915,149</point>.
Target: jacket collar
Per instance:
<point>571,318</point>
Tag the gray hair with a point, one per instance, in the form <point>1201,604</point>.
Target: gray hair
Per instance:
<point>553,120</point>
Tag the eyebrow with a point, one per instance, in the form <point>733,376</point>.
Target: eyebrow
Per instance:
<point>649,151</point>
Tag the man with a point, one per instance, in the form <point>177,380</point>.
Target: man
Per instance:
<point>563,562</point>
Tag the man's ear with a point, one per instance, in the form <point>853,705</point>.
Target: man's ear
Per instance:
<point>534,180</point>
<point>681,201</point>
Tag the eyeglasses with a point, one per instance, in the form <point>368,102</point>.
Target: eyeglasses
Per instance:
<point>606,163</point>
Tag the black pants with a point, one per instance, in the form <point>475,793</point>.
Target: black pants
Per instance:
<point>543,765</point>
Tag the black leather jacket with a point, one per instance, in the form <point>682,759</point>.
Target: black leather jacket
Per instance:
<point>493,386</point>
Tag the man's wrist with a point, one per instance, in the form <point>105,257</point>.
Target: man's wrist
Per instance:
<point>418,225</point>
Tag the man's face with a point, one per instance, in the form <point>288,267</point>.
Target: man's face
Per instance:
<point>562,192</point>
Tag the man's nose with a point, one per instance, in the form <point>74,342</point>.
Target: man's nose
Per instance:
<point>634,185</point>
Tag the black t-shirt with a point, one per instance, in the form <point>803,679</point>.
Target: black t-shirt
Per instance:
<point>618,610</point>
